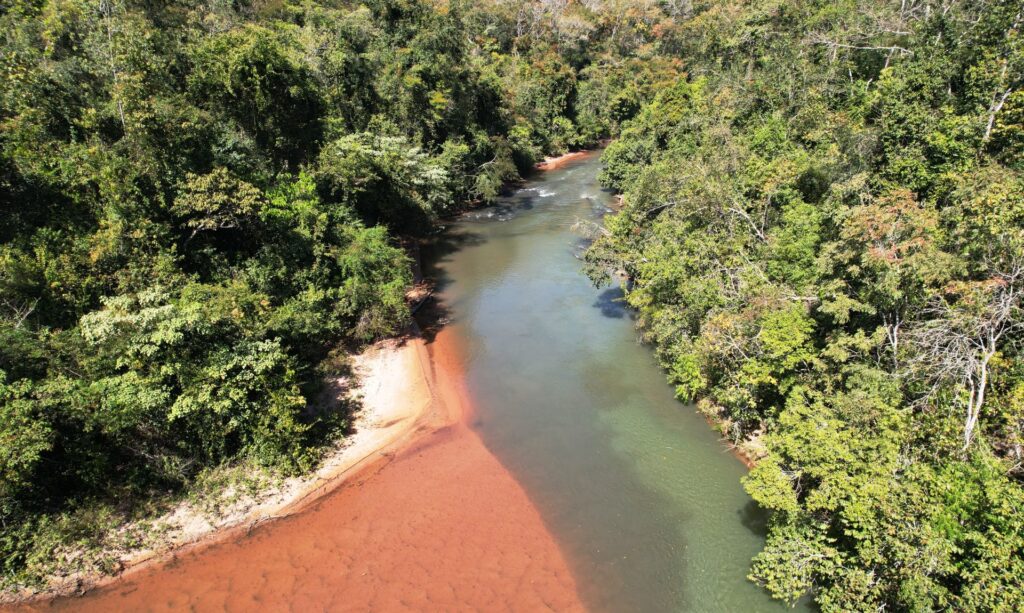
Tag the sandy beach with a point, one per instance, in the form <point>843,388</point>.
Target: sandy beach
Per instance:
<point>410,512</point>
<point>556,161</point>
<point>418,516</point>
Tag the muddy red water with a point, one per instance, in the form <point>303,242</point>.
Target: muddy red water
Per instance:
<point>438,525</point>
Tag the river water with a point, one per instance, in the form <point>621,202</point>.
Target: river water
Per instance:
<point>578,476</point>
<point>638,490</point>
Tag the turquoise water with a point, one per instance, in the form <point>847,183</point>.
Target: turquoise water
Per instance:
<point>644,499</point>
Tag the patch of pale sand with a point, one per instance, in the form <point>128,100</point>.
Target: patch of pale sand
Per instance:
<point>439,524</point>
<point>553,162</point>
<point>393,385</point>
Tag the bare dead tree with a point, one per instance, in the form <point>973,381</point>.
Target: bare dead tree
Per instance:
<point>589,229</point>
<point>18,310</point>
<point>756,226</point>
<point>893,322</point>
<point>881,29</point>
<point>834,46</point>
<point>1007,82</point>
<point>108,9</point>
<point>955,344</point>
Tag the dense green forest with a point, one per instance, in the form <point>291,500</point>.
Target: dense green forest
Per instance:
<point>203,206</point>
<point>823,231</point>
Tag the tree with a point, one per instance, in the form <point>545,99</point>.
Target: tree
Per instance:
<point>821,226</point>
<point>252,75</point>
<point>217,201</point>
<point>955,345</point>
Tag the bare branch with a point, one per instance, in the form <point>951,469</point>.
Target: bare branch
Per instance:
<point>19,310</point>
<point>956,343</point>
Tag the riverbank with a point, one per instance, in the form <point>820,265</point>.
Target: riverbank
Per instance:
<point>557,161</point>
<point>434,522</point>
<point>401,403</point>
<point>644,499</point>
<point>394,393</point>
<point>751,449</point>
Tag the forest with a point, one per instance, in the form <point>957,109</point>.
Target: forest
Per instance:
<point>822,229</point>
<point>207,204</point>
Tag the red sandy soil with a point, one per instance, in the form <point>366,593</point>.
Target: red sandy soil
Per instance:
<point>437,525</point>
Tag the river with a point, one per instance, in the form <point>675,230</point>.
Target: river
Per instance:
<point>643,497</point>
<point>565,476</point>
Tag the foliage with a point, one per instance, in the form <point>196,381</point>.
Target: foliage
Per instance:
<point>204,203</point>
<point>822,231</point>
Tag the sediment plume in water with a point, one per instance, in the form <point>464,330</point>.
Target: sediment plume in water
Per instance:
<point>437,525</point>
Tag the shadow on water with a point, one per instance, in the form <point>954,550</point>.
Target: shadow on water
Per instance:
<point>432,318</point>
<point>435,314</point>
<point>755,519</point>
<point>437,251</point>
<point>579,249</point>
<point>612,303</point>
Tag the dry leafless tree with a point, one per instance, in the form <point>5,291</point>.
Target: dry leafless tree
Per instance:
<point>955,343</point>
